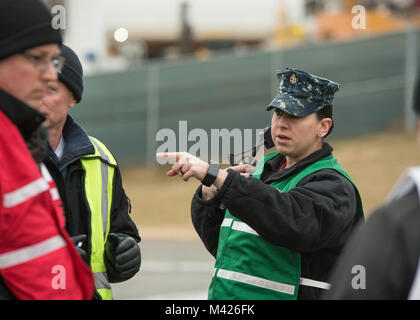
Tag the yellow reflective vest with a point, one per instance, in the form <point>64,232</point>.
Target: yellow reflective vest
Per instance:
<point>99,171</point>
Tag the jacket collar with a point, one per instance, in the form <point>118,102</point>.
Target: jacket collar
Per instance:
<point>25,118</point>
<point>270,173</point>
<point>408,181</point>
<point>77,143</point>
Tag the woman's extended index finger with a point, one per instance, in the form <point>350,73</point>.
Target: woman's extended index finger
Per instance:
<point>170,155</point>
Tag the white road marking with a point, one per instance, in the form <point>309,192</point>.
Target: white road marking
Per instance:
<point>186,295</point>
<point>157,266</point>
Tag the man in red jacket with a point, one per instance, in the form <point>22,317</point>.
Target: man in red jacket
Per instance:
<point>37,257</point>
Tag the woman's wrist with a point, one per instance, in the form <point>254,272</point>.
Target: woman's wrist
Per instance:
<point>220,179</point>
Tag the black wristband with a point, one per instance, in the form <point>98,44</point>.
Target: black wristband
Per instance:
<point>211,175</point>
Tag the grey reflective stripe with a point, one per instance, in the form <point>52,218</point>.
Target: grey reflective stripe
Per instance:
<point>104,197</point>
<point>238,226</point>
<point>54,194</point>
<point>24,193</point>
<point>226,222</point>
<point>315,283</point>
<point>414,293</point>
<point>101,280</point>
<point>46,174</point>
<point>243,227</point>
<point>255,281</point>
<point>28,253</point>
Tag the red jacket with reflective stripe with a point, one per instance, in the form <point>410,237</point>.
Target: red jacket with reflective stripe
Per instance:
<point>37,257</point>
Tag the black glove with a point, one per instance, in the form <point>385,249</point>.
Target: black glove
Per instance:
<point>77,239</point>
<point>122,257</point>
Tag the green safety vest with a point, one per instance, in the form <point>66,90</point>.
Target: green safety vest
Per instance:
<point>249,267</point>
<point>99,171</point>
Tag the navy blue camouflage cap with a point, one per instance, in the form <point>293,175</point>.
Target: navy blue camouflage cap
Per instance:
<point>301,93</point>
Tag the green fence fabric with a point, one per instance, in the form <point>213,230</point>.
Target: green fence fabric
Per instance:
<point>231,90</point>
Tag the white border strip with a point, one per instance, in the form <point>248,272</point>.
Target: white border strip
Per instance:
<point>255,281</point>
<point>54,194</point>
<point>24,193</point>
<point>28,253</point>
<point>45,173</point>
<point>226,222</point>
<point>242,226</point>
<point>315,283</point>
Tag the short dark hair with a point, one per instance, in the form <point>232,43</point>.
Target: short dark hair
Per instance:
<point>326,112</point>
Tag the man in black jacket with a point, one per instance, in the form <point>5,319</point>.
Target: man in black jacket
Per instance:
<point>381,261</point>
<point>89,181</point>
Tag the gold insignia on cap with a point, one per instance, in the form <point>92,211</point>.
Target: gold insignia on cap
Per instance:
<point>293,79</point>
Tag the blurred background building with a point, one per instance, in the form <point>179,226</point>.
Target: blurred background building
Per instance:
<point>113,35</point>
<point>152,63</point>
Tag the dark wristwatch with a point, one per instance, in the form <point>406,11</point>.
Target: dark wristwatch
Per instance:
<point>212,172</point>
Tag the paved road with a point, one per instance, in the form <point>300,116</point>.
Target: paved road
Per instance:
<point>170,271</point>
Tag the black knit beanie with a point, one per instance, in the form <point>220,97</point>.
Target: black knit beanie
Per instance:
<point>25,24</point>
<point>72,73</point>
